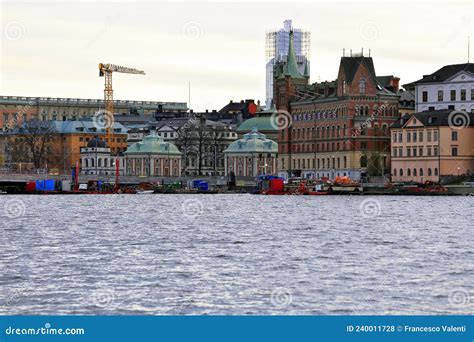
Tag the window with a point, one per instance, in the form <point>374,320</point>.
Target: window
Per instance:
<point>395,152</point>
<point>414,172</point>
<point>400,152</point>
<point>408,172</point>
<point>453,95</point>
<point>435,136</point>
<point>401,172</point>
<point>425,96</point>
<point>435,151</point>
<point>408,152</point>
<point>395,172</point>
<point>414,151</point>
<point>472,94</point>
<point>429,172</point>
<point>463,94</point>
<point>440,95</point>
<point>454,151</point>
<point>436,171</point>
<point>420,136</point>
<point>420,151</point>
<point>408,137</point>
<point>400,137</point>
<point>415,137</point>
<point>454,135</point>
<point>429,151</point>
<point>428,136</point>
<point>362,86</point>
<point>421,172</point>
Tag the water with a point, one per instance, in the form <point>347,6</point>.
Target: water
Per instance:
<point>236,254</point>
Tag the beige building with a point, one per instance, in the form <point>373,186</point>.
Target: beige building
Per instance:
<point>16,109</point>
<point>430,145</point>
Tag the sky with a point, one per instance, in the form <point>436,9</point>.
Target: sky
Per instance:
<point>52,49</point>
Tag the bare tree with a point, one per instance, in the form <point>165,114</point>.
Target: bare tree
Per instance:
<point>32,143</point>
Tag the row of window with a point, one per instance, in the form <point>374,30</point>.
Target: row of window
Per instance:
<point>329,132</point>
<point>319,163</point>
<point>413,172</point>
<point>416,136</point>
<point>359,110</point>
<point>431,151</point>
<point>452,95</point>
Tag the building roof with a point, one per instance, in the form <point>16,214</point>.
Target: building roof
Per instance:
<point>351,65</point>
<point>70,127</point>
<point>253,142</point>
<point>153,144</point>
<point>444,73</point>
<point>261,123</point>
<point>291,66</point>
<point>445,117</point>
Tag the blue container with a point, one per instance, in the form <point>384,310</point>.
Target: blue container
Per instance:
<point>203,186</point>
<point>196,183</point>
<point>40,185</point>
<point>49,185</point>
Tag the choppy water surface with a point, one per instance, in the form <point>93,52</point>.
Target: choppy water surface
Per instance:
<point>236,254</point>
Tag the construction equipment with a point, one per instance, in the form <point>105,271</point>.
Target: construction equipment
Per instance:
<point>106,70</point>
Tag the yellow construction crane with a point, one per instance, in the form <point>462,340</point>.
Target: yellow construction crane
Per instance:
<point>106,70</point>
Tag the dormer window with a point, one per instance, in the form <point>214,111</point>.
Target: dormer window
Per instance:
<point>362,86</point>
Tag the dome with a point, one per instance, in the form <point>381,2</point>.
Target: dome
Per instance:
<point>96,142</point>
<point>153,144</point>
<point>253,142</point>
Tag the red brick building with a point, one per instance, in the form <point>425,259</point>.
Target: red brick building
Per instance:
<point>338,128</point>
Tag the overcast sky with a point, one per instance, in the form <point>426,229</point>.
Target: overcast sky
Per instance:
<point>52,49</point>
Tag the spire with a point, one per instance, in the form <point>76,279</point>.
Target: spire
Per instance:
<point>306,69</point>
<point>291,66</point>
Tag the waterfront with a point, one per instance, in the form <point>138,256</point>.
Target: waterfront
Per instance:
<point>236,254</point>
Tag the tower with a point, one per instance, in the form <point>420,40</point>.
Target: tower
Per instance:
<point>277,46</point>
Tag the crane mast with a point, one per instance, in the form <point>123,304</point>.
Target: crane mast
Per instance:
<point>106,70</point>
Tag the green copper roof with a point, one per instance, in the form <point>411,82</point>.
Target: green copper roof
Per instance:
<point>261,123</point>
<point>291,66</point>
<point>153,144</point>
<point>253,142</point>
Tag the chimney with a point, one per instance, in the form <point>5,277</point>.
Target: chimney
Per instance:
<point>394,82</point>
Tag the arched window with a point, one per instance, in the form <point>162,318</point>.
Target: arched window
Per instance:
<point>345,162</point>
<point>395,172</point>
<point>436,171</point>
<point>362,86</point>
<point>408,172</point>
<point>429,172</point>
<point>401,172</point>
<point>414,172</point>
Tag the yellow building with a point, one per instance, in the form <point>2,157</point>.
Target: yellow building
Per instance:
<point>430,145</point>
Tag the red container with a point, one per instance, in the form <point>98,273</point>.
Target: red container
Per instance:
<point>276,185</point>
<point>30,186</point>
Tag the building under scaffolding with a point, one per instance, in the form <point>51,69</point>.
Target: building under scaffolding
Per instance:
<point>277,43</point>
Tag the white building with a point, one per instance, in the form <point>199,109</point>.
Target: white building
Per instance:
<point>97,160</point>
<point>277,44</point>
<point>451,87</point>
